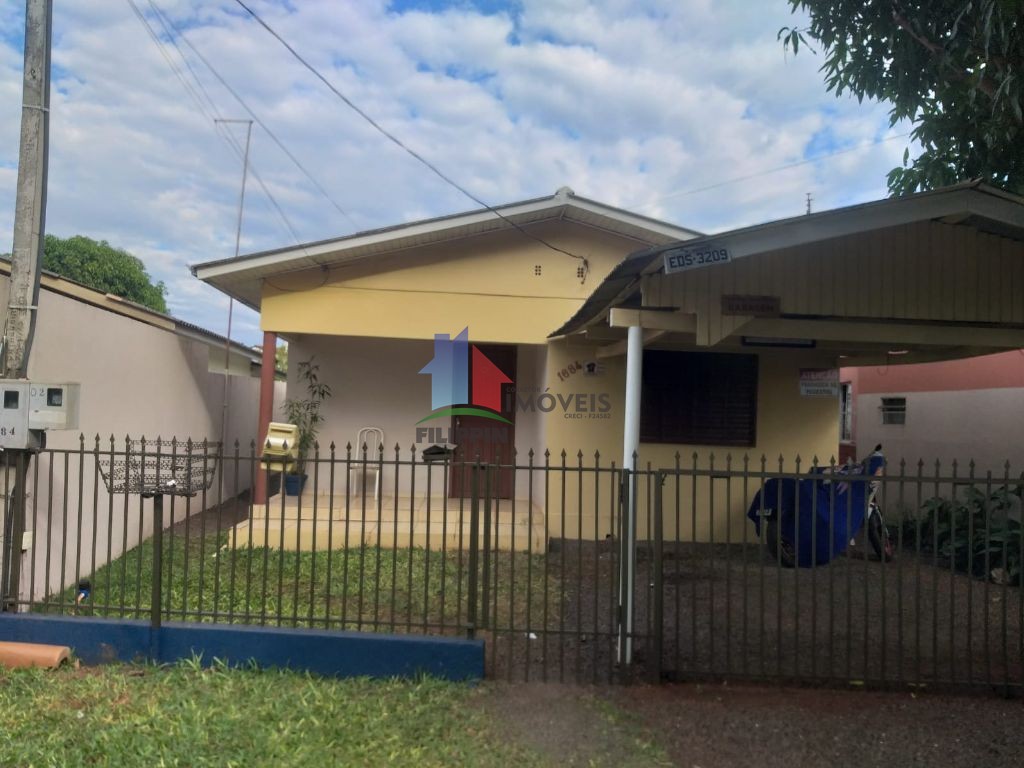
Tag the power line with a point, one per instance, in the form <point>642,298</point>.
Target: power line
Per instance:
<point>177,32</point>
<point>398,142</point>
<point>170,36</point>
<point>230,137</point>
<point>163,52</point>
<point>224,132</point>
<point>218,121</point>
<point>758,174</point>
<point>415,155</point>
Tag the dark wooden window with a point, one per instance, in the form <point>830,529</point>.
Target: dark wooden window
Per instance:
<point>699,398</point>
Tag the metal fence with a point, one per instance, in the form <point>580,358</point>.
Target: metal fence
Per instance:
<point>534,554</point>
<point>936,602</point>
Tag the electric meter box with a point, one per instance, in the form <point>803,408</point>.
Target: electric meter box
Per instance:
<point>29,406</point>
<point>14,414</point>
<point>53,406</point>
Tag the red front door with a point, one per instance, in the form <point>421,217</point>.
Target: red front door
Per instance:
<point>478,438</point>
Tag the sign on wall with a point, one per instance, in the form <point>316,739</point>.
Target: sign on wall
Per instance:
<point>758,306</point>
<point>819,382</point>
<point>707,255</point>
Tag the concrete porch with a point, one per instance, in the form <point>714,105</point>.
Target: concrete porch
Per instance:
<point>322,521</point>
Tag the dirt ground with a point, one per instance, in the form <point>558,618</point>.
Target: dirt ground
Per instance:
<point>718,726</point>
<point>221,517</point>
<point>733,613</point>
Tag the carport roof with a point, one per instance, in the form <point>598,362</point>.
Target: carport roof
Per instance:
<point>974,204</point>
<point>242,277</point>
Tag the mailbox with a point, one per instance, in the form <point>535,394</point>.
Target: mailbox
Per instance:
<point>281,447</point>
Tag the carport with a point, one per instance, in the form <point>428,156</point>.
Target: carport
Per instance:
<point>926,277</point>
<point>933,276</point>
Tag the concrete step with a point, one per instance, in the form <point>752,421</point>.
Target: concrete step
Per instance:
<point>390,508</point>
<point>302,535</point>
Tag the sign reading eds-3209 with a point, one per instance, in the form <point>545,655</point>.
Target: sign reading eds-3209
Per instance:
<point>682,259</point>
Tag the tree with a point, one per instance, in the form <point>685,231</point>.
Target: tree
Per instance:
<point>101,266</point>
<point>953,68</point>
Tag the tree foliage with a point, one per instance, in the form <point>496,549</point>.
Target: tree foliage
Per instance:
<point>953,68</point>
<point>101,266</point>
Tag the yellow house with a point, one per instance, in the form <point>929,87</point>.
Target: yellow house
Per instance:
<point>367,308</point>
<point>629,341</point>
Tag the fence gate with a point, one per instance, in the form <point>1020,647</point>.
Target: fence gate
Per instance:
<point>552,612</point>
<point>937,605</point>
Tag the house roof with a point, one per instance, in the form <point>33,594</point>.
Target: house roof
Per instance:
<point>72,289</point>
<point>241,277</point>
<point>973,203</point>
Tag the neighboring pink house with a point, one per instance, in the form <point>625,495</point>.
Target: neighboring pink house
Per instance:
<point>971,409</point>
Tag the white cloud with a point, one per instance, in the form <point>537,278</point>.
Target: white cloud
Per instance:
<point>627,102</point>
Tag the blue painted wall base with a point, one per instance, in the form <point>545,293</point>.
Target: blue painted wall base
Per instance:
<point>332,653</point>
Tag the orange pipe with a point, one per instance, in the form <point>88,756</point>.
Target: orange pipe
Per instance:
<point>20,655</point>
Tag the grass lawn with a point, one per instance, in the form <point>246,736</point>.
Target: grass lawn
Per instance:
<point>184,715</point>
<point>363,587</point>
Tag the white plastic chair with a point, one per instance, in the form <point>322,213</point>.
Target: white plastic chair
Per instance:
<point>373,439</point>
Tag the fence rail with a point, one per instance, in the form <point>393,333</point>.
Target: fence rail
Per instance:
<point>532,554</point>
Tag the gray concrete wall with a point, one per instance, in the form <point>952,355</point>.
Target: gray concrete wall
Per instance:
<point>136,380</point>
<point>983,425</point>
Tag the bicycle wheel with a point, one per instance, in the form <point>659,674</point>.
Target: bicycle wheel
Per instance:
<point>780,549</point>
<point>879,536</point>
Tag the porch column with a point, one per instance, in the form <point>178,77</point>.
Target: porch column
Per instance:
<point>266,412</point>
<point>630,448</point>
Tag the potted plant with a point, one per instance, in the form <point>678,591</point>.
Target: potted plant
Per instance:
<point>305,414</point>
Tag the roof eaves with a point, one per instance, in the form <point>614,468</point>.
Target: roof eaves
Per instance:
<point>288,258</point>
<point>618,284</point>
<point>369,233</point>
<point>628,216</point>
<point>192,330</point>
<point>620,281</point>
<point>963,198</point>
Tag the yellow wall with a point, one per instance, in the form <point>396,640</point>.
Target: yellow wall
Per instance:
<point>487,282</point>
<point>787,424</point>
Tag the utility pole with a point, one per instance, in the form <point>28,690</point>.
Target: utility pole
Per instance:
<point>231,301</point>
<point>30,207</point>
<point>26,264</point>
<point>810,199</point>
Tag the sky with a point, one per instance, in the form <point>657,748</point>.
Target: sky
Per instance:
<point>641,104</point>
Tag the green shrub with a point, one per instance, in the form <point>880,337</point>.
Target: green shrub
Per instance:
<point>980,534</point>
